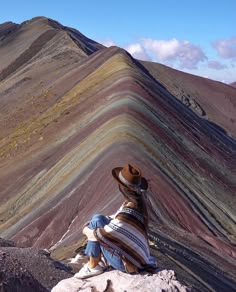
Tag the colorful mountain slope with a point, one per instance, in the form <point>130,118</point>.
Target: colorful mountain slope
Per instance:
<point>213,100</point>
<point>71,110</point>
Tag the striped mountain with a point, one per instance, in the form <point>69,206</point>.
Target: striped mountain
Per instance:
<point>72,109</point>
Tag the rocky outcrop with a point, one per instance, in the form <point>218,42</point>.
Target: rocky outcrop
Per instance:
<point>163,281</point>
<point>28,270</point>
<point>6,29</point>
<point>6,243</point>
<point>191,103</point>
<point>14,277</point>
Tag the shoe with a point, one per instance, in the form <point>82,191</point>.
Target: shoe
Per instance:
<point>101,264</point>
<point>87,272</point>
<point>76,259</point>
<point>104,264</point>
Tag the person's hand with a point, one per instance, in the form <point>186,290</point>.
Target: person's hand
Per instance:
<point>123,204</point>
<point>111,216</point>
<point>89,233</point>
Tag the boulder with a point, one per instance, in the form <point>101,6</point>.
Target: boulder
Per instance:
<point>117,281</point>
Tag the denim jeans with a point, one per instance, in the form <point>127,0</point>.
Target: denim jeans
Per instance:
<point>94,248</point>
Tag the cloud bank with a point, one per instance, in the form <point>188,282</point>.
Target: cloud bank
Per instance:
<point>138,52</point>
<point>216,65</point>
<point>226,48</point>
<point>183,54</point>
<point>186,56</point>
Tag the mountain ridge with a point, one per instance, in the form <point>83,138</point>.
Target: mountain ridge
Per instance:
<point>66,122</point>
<point>202,95</point>
<point>233,84</point>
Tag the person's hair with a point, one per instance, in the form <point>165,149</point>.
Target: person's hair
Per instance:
<point>138,199</point>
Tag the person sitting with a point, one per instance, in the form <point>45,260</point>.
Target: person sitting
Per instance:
<point>122,238</point>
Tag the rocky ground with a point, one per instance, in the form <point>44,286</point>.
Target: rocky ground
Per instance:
<point>34,270</point>
<point>116,281</point>
<point>29,269</point>
<point>15,277</point>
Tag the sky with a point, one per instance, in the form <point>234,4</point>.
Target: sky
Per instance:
<point>194,36</point>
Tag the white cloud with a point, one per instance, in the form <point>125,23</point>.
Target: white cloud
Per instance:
<point>183,55</point>
<point>164,50</point>
<point>173,52</point>
<point>108,42</point>
<point>226,48</point>
<point>138,51</point>
<point>216,65</point>
<point>187,55</point>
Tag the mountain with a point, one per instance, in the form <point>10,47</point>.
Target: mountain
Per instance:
<point>233,84</point>
<point>213,100</point>
<point>72,109</point>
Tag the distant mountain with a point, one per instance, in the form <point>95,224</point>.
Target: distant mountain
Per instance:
<point>72,109</point>
<point>210,99</point>
<point>233,84</point>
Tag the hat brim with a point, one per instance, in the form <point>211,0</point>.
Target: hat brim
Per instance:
<point>115,173</point>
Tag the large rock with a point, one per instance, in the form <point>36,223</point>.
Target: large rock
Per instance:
<point>117,281</point>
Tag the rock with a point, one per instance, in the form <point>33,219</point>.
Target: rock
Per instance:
<point>185,100</point>
<point>164,280</point>
<point>191,103</point>
<point>45,252</point>
<point>6,243</point>
<point>34,270</point>
<point>14,277</point>
<point>197,108</point>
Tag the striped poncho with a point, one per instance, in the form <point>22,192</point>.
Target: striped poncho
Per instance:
<point>126,236</point>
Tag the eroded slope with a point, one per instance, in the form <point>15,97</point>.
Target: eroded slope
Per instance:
<point>212,100</point>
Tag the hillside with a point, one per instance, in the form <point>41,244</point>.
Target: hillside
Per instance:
<point>72,109</point>
<point>233,84</point>
<point>212,100</point>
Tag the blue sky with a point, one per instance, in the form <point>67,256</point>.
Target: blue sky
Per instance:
<point>195,36</point>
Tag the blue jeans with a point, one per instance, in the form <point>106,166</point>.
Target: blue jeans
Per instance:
<point>94,248</point>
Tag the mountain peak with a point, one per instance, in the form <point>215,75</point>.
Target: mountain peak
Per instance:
<point>43,20</point>
<point>6,28</point>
